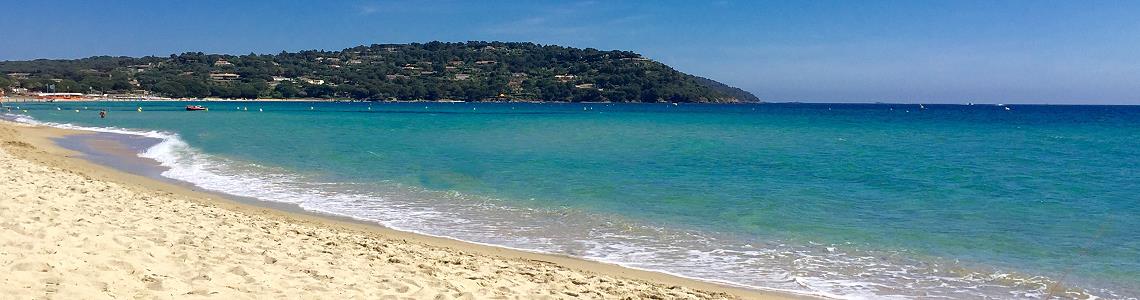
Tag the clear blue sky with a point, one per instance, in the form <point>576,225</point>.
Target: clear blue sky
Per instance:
<point>812,51</point>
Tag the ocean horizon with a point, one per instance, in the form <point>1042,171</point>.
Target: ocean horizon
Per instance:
<point>838,200</point>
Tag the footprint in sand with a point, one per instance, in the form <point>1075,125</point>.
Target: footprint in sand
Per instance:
<point>153,282</point>
<point>37,266</point>
<point>51,285</point>
<point>121,265</point>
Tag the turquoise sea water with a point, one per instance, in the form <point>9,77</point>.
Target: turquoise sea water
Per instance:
<point>849,201</point>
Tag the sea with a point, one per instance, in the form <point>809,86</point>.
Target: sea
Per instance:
<point>847,201</point>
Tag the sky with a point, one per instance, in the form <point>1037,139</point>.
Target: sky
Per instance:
<point>912,51</point>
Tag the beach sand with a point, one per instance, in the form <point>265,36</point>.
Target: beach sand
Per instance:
<point>70,229</point>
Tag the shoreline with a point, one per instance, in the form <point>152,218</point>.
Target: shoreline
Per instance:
<point>49,153</point>
<point>321,100</point>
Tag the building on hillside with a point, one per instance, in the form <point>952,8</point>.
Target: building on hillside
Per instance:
<point>223,63</point>
<point>20,76</point>
<point>140,68</point>
<point>565,77</point>
<point>311,81</point>
<point>224,77</point>
<point>276,80</point>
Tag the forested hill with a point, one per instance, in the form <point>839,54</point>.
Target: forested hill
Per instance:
<point>471,71</point>
<point>731,91</point>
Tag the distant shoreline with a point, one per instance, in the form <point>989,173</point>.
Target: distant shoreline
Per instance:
<point>7,99</point>
<point>33,99</point>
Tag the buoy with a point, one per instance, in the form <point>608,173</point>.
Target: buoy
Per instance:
<point>310,108</point>
<point>57,108</point>
<point>260,109</point>
<point>140,109</point>
<point>76,110</point>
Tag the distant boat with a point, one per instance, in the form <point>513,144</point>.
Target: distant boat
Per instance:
<point>195,107</point>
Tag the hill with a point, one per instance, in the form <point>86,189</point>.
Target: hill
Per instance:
<point>731,91</point>
<point>471,71</point>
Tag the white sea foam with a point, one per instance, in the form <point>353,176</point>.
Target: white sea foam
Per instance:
<point>832,271</point>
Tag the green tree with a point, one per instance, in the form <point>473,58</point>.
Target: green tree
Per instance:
<point>5,83</point>
<point>171,88</point>
<point>288,90</point>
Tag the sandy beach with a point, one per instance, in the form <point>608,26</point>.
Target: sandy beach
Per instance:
<point>70,229</point>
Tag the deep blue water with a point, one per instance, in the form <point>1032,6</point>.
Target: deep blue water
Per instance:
<point>843,200</point>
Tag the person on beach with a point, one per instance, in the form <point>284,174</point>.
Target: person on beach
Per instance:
<point>103,114</point>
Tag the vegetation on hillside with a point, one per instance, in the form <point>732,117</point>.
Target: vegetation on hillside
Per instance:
<point>471,71</point>
<point>731,91</point>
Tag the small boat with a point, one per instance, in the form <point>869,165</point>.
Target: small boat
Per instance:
<point>195,107</point>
